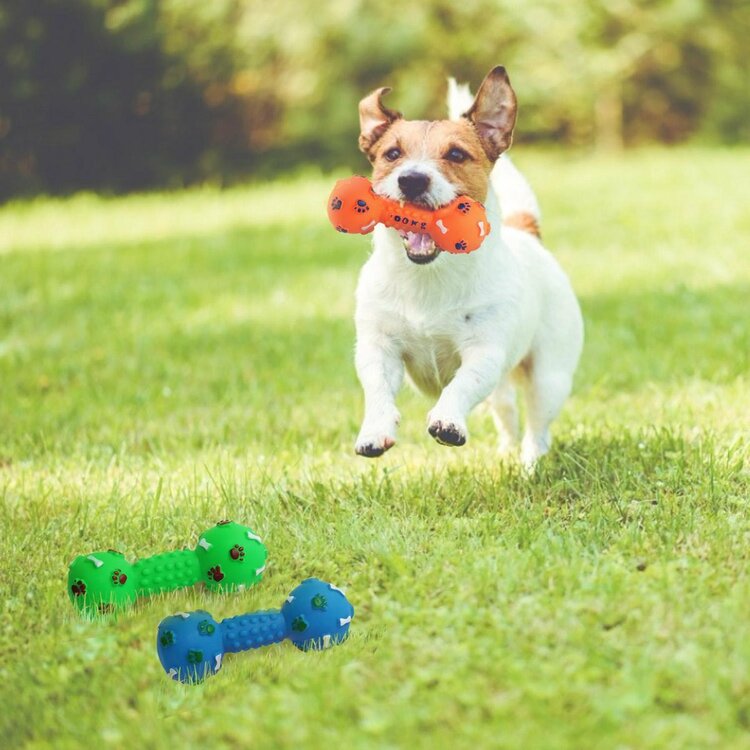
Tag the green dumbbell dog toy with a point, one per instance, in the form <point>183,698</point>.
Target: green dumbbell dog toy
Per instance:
<point>228,557</point>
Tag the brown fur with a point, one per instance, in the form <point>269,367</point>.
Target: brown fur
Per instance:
<point>434,139</point>
<point>483,134</point>
<point>374,119</point>
<point>493,112</point>
<point>524,221</point>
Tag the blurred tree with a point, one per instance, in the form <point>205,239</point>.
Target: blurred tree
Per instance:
<point>122,94</point>
<point>91,98</point>
<point>727,115</point>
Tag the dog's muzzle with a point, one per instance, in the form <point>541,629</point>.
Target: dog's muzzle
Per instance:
<point>413,185</point>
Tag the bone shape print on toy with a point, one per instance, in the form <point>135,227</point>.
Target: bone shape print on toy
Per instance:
<point>458,227</point>
<point>228,557</point>
<point>191,645</point>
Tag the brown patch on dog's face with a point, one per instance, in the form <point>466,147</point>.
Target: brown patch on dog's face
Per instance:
<point>462,152</point>
<point>452,147</point>
<point>431,163</point>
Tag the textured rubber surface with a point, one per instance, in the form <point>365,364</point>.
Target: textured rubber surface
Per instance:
<point>253,630</point>
<point>168,571</point>
<point>459,227</point>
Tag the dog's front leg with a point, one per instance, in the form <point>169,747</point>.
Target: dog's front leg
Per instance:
<point>380,369</point>
<point>481,368</point>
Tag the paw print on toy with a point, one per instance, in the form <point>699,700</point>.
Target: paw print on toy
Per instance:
<point>79,588</point>
<point>215,573</point>
<point>336,203</point>
<point>118,578</point>
<point>319,602</point>
<point>194,656</point>
<point>237,553</point>
<point>206,627</point>
<point>457,227</point>
<point>299,624</point>
<point>167,638</point>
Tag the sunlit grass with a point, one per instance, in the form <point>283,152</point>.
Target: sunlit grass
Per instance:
<point>168,360</point>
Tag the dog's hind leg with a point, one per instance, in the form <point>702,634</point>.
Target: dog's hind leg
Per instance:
<point>503,404</point>
<point>545,391</point>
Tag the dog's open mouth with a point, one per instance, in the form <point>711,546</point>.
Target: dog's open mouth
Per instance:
<point>420,248</point>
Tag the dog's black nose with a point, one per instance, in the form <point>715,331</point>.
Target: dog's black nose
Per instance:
<point>413,184</point>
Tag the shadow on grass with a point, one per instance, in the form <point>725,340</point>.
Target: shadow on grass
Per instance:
<point>643,466</point>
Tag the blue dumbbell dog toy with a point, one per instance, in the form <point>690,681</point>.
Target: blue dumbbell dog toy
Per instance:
<point>191,646</point>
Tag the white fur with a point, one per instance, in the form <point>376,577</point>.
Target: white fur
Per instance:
<point>459,98</point>
<point>513,191</point>
<point>467,328</point>
<point>440,191</point>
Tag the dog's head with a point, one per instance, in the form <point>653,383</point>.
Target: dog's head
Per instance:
<point>429,163</point>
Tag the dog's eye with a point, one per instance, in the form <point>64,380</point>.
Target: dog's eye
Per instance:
<point>392,154</point>
<point>457,155</point>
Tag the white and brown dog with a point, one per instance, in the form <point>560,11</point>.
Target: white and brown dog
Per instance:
<point>466,328</point>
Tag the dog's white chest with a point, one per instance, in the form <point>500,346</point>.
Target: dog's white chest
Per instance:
<point>431,352</point>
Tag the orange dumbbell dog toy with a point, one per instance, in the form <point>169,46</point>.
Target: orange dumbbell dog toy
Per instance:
<point>459,227</point>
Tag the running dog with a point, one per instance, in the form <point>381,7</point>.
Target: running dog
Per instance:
<point>464,328</point>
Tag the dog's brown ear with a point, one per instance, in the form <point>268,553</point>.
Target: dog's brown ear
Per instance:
<point>493,112</point>
<point>374,119</point>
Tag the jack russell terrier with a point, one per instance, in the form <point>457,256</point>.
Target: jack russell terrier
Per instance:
<point>465,328</point>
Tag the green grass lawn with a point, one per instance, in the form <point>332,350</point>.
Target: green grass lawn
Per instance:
<point>170,360</point>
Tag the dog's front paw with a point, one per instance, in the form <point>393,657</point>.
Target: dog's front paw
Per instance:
<point>447,431</point>
<point>376,438</point>
<point>373,446</point>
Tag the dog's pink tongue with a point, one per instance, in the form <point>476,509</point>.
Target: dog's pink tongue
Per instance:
<point>420,244</point>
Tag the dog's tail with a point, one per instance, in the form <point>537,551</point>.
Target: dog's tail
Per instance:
<point>518,203</point>
<point>459,98</point>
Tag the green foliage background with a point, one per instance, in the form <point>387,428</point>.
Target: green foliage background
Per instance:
<point>126,94</point>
